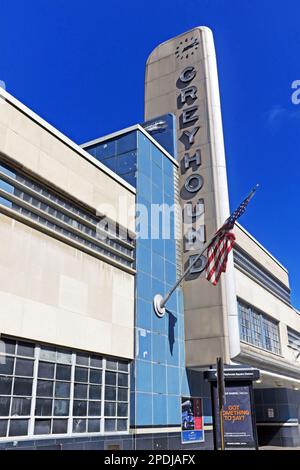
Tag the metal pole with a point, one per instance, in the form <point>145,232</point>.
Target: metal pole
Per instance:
<point>221,397</point>
<point>159,301</point>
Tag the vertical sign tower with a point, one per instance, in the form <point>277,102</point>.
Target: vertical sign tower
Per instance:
<point>181,78</point>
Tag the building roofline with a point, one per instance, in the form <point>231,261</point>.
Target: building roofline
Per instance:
<point>126,130</point>
<point>64,139</point>
<point>261,246</point>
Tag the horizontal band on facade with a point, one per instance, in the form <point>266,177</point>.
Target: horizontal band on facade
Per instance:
<point>48,231</point>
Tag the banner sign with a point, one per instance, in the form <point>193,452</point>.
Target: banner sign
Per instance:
<point>191,420</point>
<point>238,421</point>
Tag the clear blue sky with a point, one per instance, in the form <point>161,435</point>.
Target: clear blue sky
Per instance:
<point>80,65</point>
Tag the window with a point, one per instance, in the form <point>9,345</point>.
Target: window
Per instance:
<point>32,199</point>
<point>57,391</point>
<point>293,339</point>
<point>257,328</point>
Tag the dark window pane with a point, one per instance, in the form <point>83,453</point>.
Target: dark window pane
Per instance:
<point>42,426</point>
<point>110,408</point>
<point>79,408</point>
<point>105,150</point>
<point>79,425</point>
<point>43,407</point>
<point>7,346</point>
<point>126,142</point>
<point>63,372</point>
<point>21,406</point>
<point>94,408</point>
<point>81,374</point>
<point>61,407</point>
<point>24,367</point>
<point>5,385</point>
<point>110,393</point>
<point>25,349</point>
<point>95,392</point>
<point>110,378</point>
<point>96,361</point>
<point>111,163</point>
<point>3,427</point>
<point>44,388</point>
<point>62,389</point>
<point>6,365</point>
<point>123,366</point>
<point>4,406</point>
<point>122,380</point>
<point>95,376</point>
<point>110,425</point>
<point>82,359</point>
<point>18,427</point>
<point>60,426</point>
<point>126,163</point>
<point>80,391</point>
<point>112,365</point>
<point>46,370</point>
<point>94,425</point>
<point>122,394</point>
<point>22,386</point>
<point>122,409</point>
<point>122,425</point>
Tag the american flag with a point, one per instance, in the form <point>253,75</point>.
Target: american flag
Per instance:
<point>222,243</point>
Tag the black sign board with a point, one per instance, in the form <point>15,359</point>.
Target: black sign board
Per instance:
<point>234,373</point>
<point>238,416</point>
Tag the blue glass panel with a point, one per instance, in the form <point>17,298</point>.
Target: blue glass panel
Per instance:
<point>143,259</point>
<point>130,178</point>
<point>174,410</point>
<point>169,187</point>
<point>173,353</point>
<point>170,273</point>
<point>144,187</point>
<point>126,142</point>
<point>144,409</point>
<point>144,314</point>
<point>159,378</point>
<point>168,168</point>
<point>126,163</point>
<point>157,156</point>
<point>185,389</point>
<point>5,202</point>
<point>159,348</point>
<point>159,409</point>
<point>106,149</point>
<point>158,246</point>
<point>170,250</point>
<point>144,155</point>
<point>143,344</point>
<point>144,286</point>
<point>111,163</point>
<point>8,172</point>
<point>159,325</point>
<point>157,175</point>
<point>157,266</point>
<point>173,380</point>
<point>157,195</point>
<point>143,376</point>
<point>6,187</point>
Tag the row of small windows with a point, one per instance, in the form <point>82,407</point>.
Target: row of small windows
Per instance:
<point>258,329</point>
<point>293,339</point>
<point>31,199</point>
<point>53,391</point>
<point>243,261</point>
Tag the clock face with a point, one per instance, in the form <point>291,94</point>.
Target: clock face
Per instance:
<point>186,47</point>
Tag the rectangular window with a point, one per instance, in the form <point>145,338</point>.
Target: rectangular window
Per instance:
<point>258,329</point>
<point>47,390</point>
<point>294,339</point>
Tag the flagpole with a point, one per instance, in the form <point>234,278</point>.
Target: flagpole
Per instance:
<point>159,301</point>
